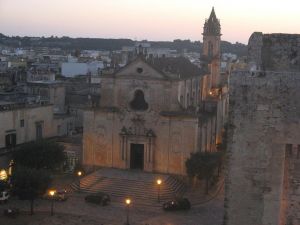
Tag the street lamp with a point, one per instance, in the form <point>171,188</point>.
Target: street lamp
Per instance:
<point>3,175</point>
<point>158,181</point>
<point>79,174</point>
<point>52,193</point>
<point>127,201</point>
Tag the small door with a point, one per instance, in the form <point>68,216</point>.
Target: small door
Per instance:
<point>137,156</point>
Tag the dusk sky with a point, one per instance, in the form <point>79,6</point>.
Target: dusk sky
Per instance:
<point>147,19</point>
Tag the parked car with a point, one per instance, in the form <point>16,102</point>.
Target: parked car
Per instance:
<point>177,204</point>
<point>4,196</point>
<point>11,212</point>
<point>99,198</point>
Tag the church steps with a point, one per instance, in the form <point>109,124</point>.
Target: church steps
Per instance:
<point>138,190</point>
<point>141,187</point>
<point>176,186</point>
<point>118,184</point>
<point>173,187</point>
<point>135,196</point>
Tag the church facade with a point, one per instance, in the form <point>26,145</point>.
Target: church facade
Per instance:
<point>154,112</point>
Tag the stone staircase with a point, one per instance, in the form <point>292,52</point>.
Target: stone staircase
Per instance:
<point>71,188</point>
<point>140,186</point>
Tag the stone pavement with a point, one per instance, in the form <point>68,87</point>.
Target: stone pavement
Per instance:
<point>76,211</point>
<point>206,209</point>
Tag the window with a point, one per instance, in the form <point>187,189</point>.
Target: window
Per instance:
<point>187,99</point>
<point>39,130</point>
<point>210,49</point>
<point>138,103</point>
<point>139,70</point>
<point>10,140</point>
<point>181,99</point>
<point>193,98</point>
<point>58,129</point>
<point>289,149</point>
<point>69,128</point>
<point>22,123</point>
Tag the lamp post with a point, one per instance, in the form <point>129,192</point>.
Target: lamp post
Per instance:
<point>127,201</point>
<point>52,193</point>
<point>79,174</point>
<point>158,181</point>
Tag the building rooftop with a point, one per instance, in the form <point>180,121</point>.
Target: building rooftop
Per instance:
<point>176,66</point>
<point>10,106</point>
<point>45,82</point>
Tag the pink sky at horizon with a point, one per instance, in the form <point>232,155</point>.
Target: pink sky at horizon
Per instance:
<point>163,20</point>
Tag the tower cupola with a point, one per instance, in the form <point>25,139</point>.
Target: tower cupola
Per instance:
<point>212,25</point>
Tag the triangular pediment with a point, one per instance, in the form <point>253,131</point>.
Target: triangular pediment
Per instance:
<point>139,69</point>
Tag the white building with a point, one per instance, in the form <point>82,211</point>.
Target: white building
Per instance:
<point>25,123</point>
<point>72,69</point>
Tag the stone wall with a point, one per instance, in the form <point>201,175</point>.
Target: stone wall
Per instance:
<point>274,52</point>
<point>254,50</point>
<point>292,186</point>
<point>264,117</point>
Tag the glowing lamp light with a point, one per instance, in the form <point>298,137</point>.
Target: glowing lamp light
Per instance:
<point>52,193</point>
<point>3,175</point>
<point>210,93</point>
<point>159,181</point>
<point>79,173</point>
<point>128,201</point>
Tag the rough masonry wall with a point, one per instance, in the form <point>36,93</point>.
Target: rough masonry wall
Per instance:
<point>281,52</point>
<point>264,117</point>
<point>274,52</point>
<point>254,50</point>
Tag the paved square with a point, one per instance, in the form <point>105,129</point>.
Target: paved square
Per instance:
<point>76,211</point>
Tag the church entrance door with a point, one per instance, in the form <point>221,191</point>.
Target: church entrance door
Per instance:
<point>137,156</point>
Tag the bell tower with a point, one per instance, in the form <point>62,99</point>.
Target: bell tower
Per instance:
<point>211,46</point>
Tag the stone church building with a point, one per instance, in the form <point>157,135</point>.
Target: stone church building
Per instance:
<point>154,112</point>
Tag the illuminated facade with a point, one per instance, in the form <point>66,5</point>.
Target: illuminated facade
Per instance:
<point>153,113</point>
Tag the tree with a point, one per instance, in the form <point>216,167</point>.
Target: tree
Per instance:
<point>42,154</point>
<point>203,165</point>
<point>29,183</point>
